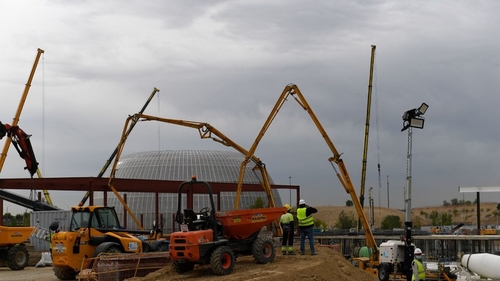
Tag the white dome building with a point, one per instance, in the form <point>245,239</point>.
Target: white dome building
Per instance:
<point>180,165</point>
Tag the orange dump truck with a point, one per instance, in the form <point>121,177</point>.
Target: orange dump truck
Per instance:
<point>13,252</point>
<point>216,238</point>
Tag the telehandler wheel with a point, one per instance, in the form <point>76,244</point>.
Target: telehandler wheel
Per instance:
<point>107,247</point>
<point>263,250</point>
<point>159,246</point>
<point>64,273</point>
<point>182,267</point>
<point>222,260</point>
<point>384,272</point>
<point>104,248</point>
<point>17,257</point>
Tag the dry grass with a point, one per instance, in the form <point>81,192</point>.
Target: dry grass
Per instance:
<point>420,216</point>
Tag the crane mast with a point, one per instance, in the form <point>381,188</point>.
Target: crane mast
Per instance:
<point>367,132</point>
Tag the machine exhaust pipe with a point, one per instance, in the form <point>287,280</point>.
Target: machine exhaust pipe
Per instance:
<point>483,264</point>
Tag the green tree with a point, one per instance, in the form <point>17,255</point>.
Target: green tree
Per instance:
<point>259,203</point>
<point>8,219</point>
<point>454,201</point>
<point>349,203</point>
<point>434,217</point>
<point>390,222</point>
<point>319,223</point>
<point>345,221</point>
<point>446,203</point>
<point>26,218</point>
<point>418,223</point>
<point>445,219</point>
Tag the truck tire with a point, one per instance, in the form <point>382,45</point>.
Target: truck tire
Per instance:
<point>263,250</point>
<point>17,257</point>
<point>384,272</point>
<point>64,273</point>
<point>182,267</point>
<point>222,260</point>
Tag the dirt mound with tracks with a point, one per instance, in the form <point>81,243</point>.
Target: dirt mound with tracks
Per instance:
<point>327,265</point>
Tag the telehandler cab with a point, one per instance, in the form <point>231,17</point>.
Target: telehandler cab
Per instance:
<point>94,230</point>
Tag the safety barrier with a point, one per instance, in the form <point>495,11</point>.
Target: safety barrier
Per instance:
<point>120,266</point>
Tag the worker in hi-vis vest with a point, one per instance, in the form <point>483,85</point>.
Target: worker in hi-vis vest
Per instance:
<point>53,228</point>
<point>306,224</point>
<point>417,266</point>
<point>287,225</point>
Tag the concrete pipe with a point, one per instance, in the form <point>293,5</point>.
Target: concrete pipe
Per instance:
<point>483,264</point>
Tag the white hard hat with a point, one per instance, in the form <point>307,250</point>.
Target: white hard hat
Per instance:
<point>417,251</point>
<point>302,202</point>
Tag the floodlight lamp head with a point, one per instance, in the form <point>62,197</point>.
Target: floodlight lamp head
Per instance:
<point>406,115</point>
<point>423,108</point>
<point>417,123</point>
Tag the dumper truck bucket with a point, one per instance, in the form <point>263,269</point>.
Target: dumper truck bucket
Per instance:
<point>240,224</point>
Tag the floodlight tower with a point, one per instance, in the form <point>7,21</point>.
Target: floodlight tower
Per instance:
<point>412,118</point>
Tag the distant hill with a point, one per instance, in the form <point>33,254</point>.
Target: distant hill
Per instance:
<point>460,213</point>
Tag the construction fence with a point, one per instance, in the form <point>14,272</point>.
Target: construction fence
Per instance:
<point>119,266</point>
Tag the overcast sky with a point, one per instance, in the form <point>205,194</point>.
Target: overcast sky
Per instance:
<point>227,62</point>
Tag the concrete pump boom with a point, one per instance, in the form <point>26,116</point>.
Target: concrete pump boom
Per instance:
<point>207,131</point>
<point>343,176</point>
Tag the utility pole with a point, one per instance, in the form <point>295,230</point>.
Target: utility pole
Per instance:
<point>290,184</point>
<point>411,119</point>
<point>388,192</point>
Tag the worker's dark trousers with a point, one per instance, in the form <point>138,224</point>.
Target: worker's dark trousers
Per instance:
<point>287,240</point>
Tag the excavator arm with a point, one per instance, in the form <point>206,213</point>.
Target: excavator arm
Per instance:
<point>335,160</point>
<point>19,138</point>
<point>6,146</point>
<point>22,143</point>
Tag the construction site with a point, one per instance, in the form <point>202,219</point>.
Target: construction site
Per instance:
<point>189,215</point>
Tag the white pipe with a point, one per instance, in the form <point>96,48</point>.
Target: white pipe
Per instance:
<point>486,265</point>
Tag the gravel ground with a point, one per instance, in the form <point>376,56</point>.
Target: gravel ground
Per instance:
<point>30,273</point>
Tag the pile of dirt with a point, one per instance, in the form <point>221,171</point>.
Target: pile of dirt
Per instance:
<point>327,265</point>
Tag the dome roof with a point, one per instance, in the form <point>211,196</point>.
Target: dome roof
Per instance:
<point>207,165</point>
